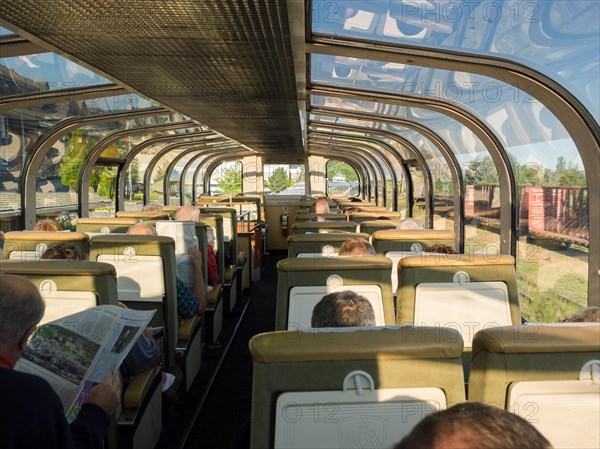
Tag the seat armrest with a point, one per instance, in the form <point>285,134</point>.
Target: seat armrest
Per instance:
<point>187,326</point>
<point>241,259</point>
<point>214,294</point>
<point>139,387</point>
<point>229,274</point>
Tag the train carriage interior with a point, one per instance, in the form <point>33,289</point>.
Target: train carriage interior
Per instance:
<point>459,138</point>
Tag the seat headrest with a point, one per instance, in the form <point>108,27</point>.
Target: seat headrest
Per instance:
<point>59,267</point>
<point>423,234</point>
<point>325,224</point>
<point>336,264</point>
<point>357,343</point>
<point>540,338</point>
<point>108,221</point>
<point>452,260</point>
<point>337,237</point>
<point>143,215</point>
<point>45,236</point>
<point>122,239</point>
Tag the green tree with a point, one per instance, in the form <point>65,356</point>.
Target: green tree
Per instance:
<point>279,180</point>
<point>299,173</point>
<point>134,171</point>
<point>160,174</point>
<point>569,174</point>
<point>481,171</point>
<point>231,180</point>
<point>106,186</point>
<point>76,150</point>
<point>341,169</point>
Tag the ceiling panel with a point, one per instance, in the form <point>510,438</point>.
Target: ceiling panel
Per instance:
<point>225,63</point>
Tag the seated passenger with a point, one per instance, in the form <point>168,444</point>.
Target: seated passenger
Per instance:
<point>356,247</point>
<point>472,425</point>
<point>410,224</point>
<point>47,225</point>
<point>188,303</point>
<point>192,213</point>
<point>145,353</point>
<point>439,248</point>
<point>31,412</point>
<point>343,309</point>
<point>152,207</point>
<point>63,251</point>
<point>320,207</point>
<point>589,315</point>
<point>349,210</point>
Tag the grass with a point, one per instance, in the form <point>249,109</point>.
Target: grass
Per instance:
<point>552,280</point>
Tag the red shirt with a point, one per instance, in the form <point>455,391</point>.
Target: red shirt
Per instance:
<point>211,266</point>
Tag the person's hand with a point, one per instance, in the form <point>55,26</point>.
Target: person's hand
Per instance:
<point>107,394</point>
<point>195,258</point>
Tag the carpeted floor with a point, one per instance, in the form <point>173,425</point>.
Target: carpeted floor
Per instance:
<point>223,421</point>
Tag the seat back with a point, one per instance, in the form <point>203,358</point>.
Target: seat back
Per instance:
<point>146,277</point>
<point>353,387</point>
<point>303,282</point>
<point>68,286</point>
<point>323,227</point>
<point>254,204</point>
<point>30,245</point>
<point>202,238</point>
<point>141,215</point>
<point>308,202</point>
<point>402,241</point>
<point>229,215</point>
<point>370,226</point>
<point>301,217</point>
<point>215,237</point>
<point>318,245</point>
<point>365,204</point>
<point>105,225</point>
<point>359,217</point>
<point>397,244</point>
<point>545,373</point>
<point>469,292</point>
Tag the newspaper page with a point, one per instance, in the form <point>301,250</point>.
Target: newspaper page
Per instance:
<point>184,234</point>
<point>76,352</point>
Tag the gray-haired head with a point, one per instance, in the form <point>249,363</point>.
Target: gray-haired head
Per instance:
<point>410,224</point>
<point>152,207</point>
<point>320,207</point>
<point>21,307</point>
<point>142,229</point>
<point>187,213</point>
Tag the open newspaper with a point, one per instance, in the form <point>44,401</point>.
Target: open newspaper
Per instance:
<point>76,352</point>
<point>184,235</point>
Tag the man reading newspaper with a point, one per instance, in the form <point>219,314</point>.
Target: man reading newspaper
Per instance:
<point>77,355</point>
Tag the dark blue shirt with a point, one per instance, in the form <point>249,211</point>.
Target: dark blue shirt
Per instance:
<point>32,416</point>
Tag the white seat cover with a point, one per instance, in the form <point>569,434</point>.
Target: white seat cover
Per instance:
<point>345,419</point>
<point>566,412</point>
<point>467,307</point>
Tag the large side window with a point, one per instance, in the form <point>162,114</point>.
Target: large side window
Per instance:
<point>284,179</point>
<point>342,179</point>
<point>226,179</point>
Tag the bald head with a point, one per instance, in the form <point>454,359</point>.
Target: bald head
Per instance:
<point>142,229</point>
<point>357,247</point>
<point>320,207</point>
<point>410,224</point>
<point>21,307</point>
<point>152,207</point>
<point>187,213</point>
